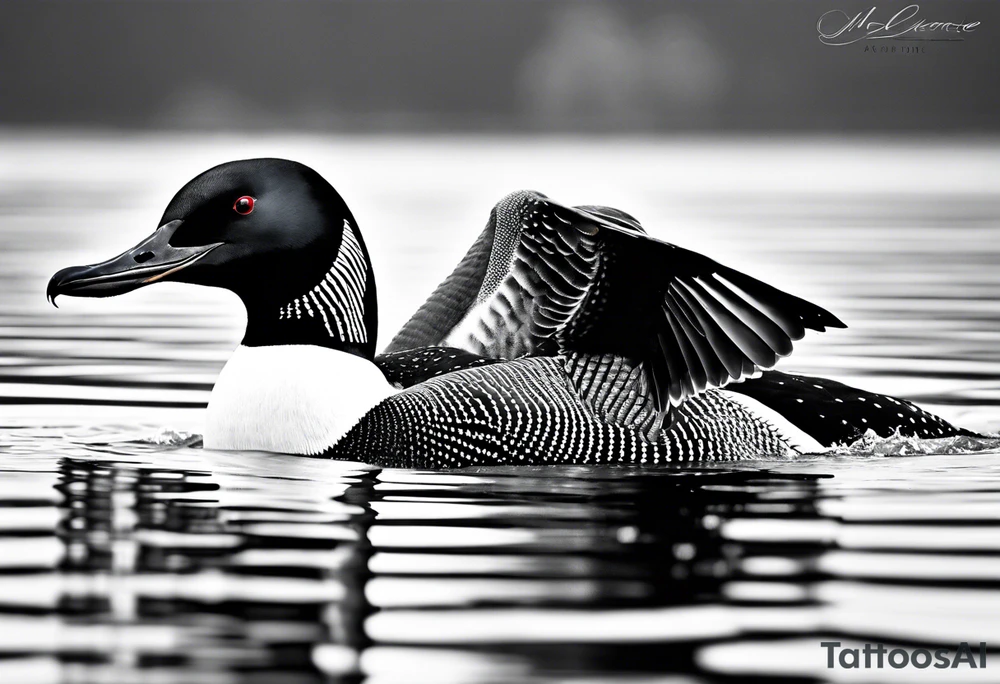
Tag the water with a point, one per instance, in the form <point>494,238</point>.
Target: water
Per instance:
<point>128,553</point>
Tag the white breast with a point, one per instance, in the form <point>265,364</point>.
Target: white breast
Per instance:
<point>299,399</point>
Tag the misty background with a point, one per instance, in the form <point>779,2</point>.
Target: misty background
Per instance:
<point>490,66</point>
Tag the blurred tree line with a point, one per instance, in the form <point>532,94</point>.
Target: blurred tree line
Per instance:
<point>484,65</point>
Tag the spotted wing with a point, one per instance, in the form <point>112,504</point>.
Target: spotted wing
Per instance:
<point>588,280</point>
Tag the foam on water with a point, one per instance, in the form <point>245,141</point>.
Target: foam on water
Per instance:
<point>871,444</point>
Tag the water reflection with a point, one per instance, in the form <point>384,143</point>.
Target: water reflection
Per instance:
<point>128,560</point>
<point>283,566</point>
<point>197,573</point>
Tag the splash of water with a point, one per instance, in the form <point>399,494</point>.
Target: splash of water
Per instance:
<point>871,444</point>
<point>169,437</point>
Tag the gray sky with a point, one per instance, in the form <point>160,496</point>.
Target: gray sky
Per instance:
<point>478,65</point>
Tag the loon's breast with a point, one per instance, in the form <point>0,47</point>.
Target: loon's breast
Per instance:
<point>299,399</point>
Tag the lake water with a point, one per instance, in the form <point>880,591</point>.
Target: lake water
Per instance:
<point>128,553</point>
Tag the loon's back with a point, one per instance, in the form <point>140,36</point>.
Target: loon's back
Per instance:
<point>531,412</point>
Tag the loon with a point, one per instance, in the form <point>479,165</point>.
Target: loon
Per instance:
<point>566,335</point>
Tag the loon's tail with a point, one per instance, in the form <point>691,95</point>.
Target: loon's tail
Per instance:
<point>834,413</point>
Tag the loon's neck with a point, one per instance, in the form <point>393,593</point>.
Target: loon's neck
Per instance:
<point>304,375</point>
<point>336,309</point>
<point>298,399</point>
<point>274,327</point>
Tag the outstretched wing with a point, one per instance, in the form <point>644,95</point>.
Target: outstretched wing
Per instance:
<point>587,279</point>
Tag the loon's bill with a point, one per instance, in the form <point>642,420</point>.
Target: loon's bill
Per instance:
<point>566,335</point>
<point>152,259</point>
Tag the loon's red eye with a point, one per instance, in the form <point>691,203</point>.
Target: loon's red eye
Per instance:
<point>244,205</point>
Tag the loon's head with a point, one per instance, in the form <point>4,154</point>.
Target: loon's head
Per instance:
<point>270,230</point>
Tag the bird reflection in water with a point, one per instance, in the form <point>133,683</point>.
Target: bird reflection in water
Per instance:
<point>266,568</point>
<point>170,570</point>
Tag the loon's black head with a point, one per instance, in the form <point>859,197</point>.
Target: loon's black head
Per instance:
<point>270,230</point>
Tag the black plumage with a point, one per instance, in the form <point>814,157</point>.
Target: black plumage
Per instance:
<point>836,414</point>
<point>413,366</point>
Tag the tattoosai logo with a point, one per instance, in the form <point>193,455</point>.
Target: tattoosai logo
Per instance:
<point>878,655</point>
<point>839,28</point>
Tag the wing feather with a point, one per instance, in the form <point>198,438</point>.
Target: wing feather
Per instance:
<point>588,280</point>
